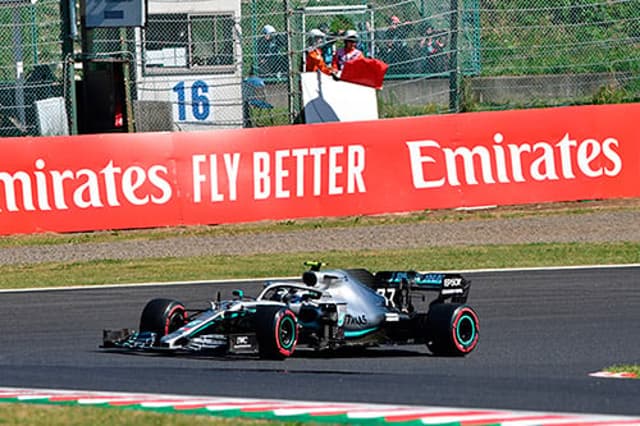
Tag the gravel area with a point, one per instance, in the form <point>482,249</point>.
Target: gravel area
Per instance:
<point>596,226</point>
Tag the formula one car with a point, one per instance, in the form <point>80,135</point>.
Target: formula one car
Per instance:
<point>327,309</point>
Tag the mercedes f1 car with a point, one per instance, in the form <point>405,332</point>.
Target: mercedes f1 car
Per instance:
<point>327,309</point>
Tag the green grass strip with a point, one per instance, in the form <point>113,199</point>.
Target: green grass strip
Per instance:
<point>39,414</point>
<point>291,264</point>
<point>222,417</point>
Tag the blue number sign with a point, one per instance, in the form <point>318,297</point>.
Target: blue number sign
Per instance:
<point>200,105</point>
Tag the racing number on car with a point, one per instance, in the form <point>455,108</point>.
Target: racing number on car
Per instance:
<point>389,294</point>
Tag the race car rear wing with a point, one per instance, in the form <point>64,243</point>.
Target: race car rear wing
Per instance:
<point>453,286</point>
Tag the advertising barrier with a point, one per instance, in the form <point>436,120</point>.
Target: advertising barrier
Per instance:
<point>115,181</point>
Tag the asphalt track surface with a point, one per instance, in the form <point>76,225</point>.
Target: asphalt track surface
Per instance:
<point>542,333</point>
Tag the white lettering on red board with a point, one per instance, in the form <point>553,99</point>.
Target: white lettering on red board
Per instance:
<point>282,174</point>
<point>201,175</point>
<point>512,162</point>
<point>47,189</point>
<point>331,170</point>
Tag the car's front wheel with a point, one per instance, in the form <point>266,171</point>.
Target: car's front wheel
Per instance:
<point>163,316</point>
<point>276,332</point>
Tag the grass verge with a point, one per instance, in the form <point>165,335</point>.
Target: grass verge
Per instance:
<point>290,264</point>
<point>49,415</point>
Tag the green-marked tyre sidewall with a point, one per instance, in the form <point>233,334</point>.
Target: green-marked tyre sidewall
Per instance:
<point>276,332</point>
<point>452,329</point>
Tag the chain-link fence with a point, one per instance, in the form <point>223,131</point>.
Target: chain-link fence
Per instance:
<point>31,65</point>
<point>225,63</point>
<point>538,52</point>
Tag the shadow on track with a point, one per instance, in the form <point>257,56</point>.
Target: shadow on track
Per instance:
<point>346,352</point>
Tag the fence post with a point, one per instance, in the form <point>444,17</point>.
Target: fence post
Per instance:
<point>290,76</point>
<point>19,66</point>
<point>454,69</point>
<point>254,38</point>
<point>69,33</point>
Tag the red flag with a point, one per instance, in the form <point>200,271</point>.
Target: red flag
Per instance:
<point>365,71</point>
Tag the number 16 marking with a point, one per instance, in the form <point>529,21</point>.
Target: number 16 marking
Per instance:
<point>200,105</point>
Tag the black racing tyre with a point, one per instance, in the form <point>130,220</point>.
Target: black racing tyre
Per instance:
<point>276,332</point>
<point>163,316</point>
<point>452,329</point>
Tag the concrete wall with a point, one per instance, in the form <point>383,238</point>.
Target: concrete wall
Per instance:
<point>546,87</point>
<point>498,90</point>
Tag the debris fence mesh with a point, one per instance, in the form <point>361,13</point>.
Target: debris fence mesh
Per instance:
<point>240,66</point>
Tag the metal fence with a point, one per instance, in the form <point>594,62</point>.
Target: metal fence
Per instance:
<point>31,64</point>
<point>557,53</point>
<point>200,69</point>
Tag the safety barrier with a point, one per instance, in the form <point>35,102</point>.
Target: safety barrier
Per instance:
<point>116,181</point>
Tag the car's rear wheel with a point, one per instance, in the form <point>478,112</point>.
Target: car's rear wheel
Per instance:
<point>452,329</point>
<point>163,316</point>
<point>276,332</point>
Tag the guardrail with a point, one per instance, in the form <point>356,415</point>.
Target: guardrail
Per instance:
<point>93,182</point>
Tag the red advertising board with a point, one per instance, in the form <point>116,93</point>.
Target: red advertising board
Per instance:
<point>120,181</point>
